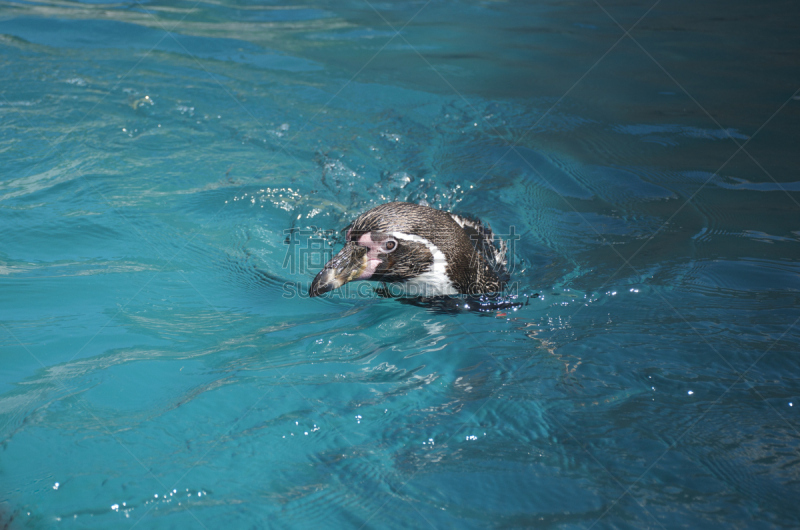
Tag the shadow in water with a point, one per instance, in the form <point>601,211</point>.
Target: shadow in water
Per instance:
<point>485,303</point>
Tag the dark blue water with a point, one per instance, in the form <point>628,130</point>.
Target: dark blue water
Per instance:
<point>173,173</point>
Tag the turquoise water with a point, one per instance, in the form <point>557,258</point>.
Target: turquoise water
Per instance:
<point>166,167</point>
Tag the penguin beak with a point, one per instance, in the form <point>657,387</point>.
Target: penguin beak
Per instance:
<point>348,265</point>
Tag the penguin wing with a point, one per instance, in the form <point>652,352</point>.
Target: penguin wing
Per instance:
<point>494,250</point>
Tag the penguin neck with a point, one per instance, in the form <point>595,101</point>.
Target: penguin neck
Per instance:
<point>434,282</point>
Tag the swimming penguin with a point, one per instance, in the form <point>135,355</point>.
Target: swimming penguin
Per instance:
<point>418,252</point>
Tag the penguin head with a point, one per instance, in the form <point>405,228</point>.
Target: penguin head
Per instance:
<point>394,242</point>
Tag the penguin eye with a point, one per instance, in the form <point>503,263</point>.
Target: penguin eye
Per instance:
<point>389,246</point>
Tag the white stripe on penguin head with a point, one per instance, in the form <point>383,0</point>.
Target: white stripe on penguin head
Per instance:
<point>434,282</point>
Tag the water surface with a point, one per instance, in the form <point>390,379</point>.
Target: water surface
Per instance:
<point>163,368</point>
